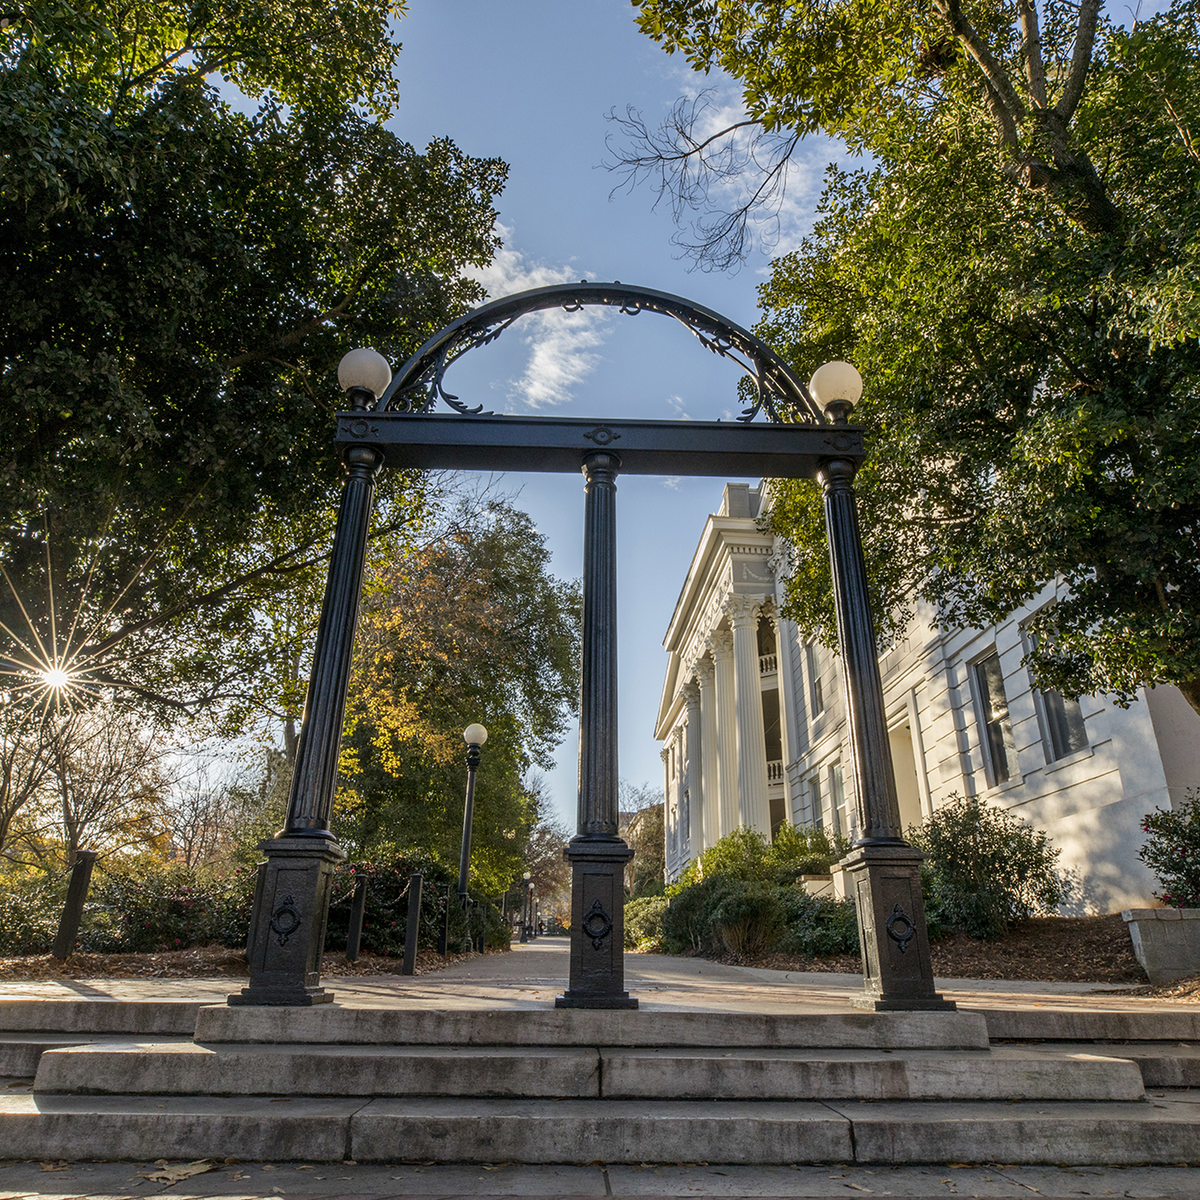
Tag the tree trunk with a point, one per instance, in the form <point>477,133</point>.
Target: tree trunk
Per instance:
<point>1070,177</point>
<point>1191,692</point>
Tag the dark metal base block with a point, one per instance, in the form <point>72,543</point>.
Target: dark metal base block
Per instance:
<point>924,1004</point>
<point>280,997</point>
<point>582,1000</point>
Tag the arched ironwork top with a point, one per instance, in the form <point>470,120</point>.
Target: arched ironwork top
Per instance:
<point>417,386</point>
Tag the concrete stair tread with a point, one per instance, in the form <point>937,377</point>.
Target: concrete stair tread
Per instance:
<point>100,1015</point>
<point>455,1129</point>
<point>332,1024</point>
<point>1151,1024</point>
<point>659,1074</point>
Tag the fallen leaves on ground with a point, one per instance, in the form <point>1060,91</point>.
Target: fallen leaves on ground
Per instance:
<point>174,1174</point>
<point>206,962</point>
<point>1050,949</point>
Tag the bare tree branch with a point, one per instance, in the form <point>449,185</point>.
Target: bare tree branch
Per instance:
<point>691,168</point>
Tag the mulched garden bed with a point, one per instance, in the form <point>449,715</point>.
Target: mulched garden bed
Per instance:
<point>1048,949</point>
<point>208,962</point>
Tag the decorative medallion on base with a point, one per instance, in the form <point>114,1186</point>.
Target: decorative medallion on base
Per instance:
<point>898,973</point>
<point>597,925</point>
<point>287,929</point>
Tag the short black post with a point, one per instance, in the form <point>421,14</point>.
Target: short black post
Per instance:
<point>597,853</point>
<point>412,929</point>
<point>289,933</point>
<point>443,946</point>
<point>358,906</point>
<point>72,913</point>
<point>884,870</point>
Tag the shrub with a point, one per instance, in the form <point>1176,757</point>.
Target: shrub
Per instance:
<point>818,926</point>
<point>139,906</point>
<point>986,869</point>
<point>746,916</point>
<point>30,907</point>
<point>1172,851</point>
<point>746,854</point>
<point>643,922</point>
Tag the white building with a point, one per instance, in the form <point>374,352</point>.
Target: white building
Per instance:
<point>754,732</point>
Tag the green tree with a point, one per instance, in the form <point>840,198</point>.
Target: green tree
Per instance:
<point>1015,274</point>
<point>179,279</point>
<point>468,627</point>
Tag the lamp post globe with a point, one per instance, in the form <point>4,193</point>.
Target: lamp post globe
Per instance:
<point>838,386</point>
<point>475,735</point>
<point>364,370</point>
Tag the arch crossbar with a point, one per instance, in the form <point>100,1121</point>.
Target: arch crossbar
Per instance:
<point>418,385</point>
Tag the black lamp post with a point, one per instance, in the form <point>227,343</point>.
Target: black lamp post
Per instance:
<point>474,735</point>
<point>884,870</point>
<point>291,900</point>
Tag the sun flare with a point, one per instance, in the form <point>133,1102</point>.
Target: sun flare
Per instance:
<point>56,678</point>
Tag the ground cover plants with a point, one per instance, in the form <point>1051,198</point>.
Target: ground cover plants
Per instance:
<point>985,871</point>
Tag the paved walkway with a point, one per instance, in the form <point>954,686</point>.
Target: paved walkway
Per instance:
<point>270,1181</point>
<point>532,975</point>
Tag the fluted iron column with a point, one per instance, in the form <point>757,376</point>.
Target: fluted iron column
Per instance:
<point>884,869</point>
<point>597,854</point>
<point>291,903</point>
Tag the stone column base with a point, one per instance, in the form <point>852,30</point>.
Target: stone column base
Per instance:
<point>885,882</point>
<point>287,931</point>
<point>597,925</point>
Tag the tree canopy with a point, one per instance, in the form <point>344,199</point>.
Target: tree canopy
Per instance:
<point>202,211</point>
<point>1015,271</point>
<point>471,626</point>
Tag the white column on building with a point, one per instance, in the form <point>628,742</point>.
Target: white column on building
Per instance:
<point>680,845</point>
<point>784,674</point>
<point>720,645</point>
<point>668,840</point>
<point>710,795</point>
<point>754,809</point>
<point>693,777</point>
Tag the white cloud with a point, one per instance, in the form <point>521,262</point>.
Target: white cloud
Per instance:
<point>675,404</point>
<point>672,482</point>
<point>560,343</point>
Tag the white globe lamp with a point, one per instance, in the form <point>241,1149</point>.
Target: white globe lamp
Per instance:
<point>366,369</point>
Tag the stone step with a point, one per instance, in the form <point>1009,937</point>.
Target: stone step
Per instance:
<point>1162,1064</point>
<point>1007,1073</point>
<point>190,1069</point>
<point>541,1026</point>
<point>139,1017</point>
<point>20,1052</point>
<point>435,1129</point>
<point>1151,1024</point>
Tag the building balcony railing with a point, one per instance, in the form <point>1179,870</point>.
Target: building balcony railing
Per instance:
<point>768,664</point>
<point>775,771</point>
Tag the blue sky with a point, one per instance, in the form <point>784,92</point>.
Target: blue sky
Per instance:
<point>531,81</point>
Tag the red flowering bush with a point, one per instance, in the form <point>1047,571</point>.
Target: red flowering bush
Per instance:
<point>1172,851</point>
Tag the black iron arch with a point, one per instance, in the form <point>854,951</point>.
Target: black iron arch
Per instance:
<point>417,386</point>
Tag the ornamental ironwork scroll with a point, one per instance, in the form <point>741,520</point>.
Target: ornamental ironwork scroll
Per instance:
<point>418,385</point>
